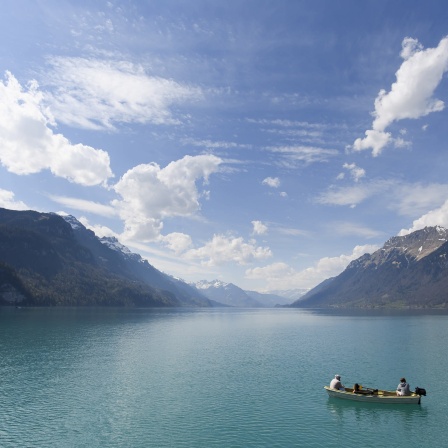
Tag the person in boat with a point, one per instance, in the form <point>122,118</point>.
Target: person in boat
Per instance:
<point>403,388</point>
<point>357,389</point>
<point>336,383</point>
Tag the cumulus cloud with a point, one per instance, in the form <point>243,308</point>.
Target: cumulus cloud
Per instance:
<point>259,228</point>
<point>149,194</point>
<point>436,217</point>
<point>222,249</point>
<point>97,94</point>
<point>7,201</point>
<point>28,144</point>
<point>283,276</point>
<point>411,96</point>
<point>355,172</point>
<point>273,182</point>
<point>177,242</point>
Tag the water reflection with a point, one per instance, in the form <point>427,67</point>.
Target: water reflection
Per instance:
<point>376,312</point>
<point>348,411</point>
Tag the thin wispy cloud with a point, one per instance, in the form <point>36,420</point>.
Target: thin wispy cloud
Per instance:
<point>99,94</point>
<point>291,156</point>
<point>85,205</point>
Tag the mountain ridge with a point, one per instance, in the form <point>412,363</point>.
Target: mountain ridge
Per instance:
<point>47,259</point>
<point>408,271</point>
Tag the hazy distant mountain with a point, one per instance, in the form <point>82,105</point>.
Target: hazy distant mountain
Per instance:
<point>226,293</point>
<point>408,271</point>
<point>48,260</point>
<point>290,295</point>
<point>269,299</point>
<point>232,295</point>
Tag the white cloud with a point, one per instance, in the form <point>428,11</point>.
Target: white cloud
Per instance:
<point>97,94</point>
<point>222,249</point>
<point>436,217</point>
<point>7,201</point>
<point>411,96</point>
<point>273,182</point>
<point>28,145</point>
<point>282,276</point>
<point>355,172</point>
<point>150,194</point>
<point>177,242</point>
<point>259,228</point>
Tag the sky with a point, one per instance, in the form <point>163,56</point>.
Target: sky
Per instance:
<point>266,143</point>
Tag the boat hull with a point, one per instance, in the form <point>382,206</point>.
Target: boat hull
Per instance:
<point>381,396</point>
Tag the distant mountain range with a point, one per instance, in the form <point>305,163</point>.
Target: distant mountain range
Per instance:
<point>46,259</point>
<point>231,295</point>
<point>407,272</point>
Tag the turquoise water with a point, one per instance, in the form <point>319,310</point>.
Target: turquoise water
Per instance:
<point>216,378</point>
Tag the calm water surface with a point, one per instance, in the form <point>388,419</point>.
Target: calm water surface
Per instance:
<point>216,378</point>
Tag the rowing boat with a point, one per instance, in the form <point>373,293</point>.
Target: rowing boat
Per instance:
<point>373,396</point>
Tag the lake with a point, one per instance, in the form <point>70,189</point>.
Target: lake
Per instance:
<point>216,377</point>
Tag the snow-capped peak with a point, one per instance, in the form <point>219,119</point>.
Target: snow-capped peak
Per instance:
<point>204,284</point>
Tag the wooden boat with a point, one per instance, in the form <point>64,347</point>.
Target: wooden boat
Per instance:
<point>374,396</point>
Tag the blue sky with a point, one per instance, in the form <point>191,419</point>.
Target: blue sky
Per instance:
<point>263,143</point>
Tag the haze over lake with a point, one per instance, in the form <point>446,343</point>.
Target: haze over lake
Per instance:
<point>216,377</point>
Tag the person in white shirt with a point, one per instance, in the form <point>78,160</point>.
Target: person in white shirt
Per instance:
<point>336,383</point>
<point>403,388</point>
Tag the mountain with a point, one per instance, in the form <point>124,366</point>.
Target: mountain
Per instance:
<point>117,258</point>
<point>408,271</point>
<point>232,295</point>
<point>226,293</point>
<point>48,260</point>
<point>289,295</point>
<point>268,299</point>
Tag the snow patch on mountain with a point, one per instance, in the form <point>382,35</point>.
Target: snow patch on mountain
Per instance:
<point>204,284</point>
<point>112,243</point>
<point>74,223</point>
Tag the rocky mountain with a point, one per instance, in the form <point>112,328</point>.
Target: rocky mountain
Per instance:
<point>48,260</point>
<point>408,271</point>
